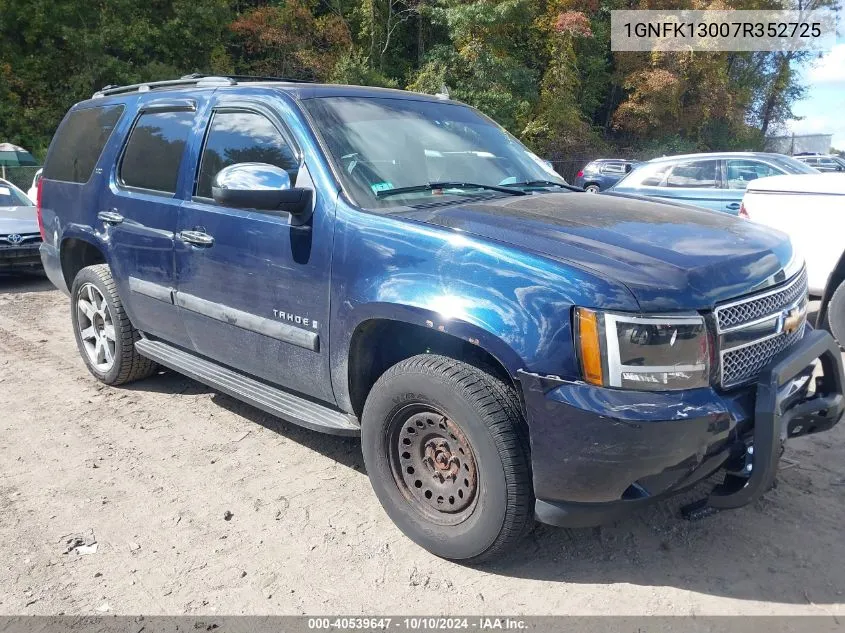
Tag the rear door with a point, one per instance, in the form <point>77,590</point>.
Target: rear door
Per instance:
<point>255,295</point>
<point>139,211</point>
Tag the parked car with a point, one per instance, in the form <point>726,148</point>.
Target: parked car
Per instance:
<point>348,259</point>
<point>712,181</point>
<point>823,162</point>
<point>603,173</point>
<point>19,234</point>
<point>811,210</point>
<point>32,194</point>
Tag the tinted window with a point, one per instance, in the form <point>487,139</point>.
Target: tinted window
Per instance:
<point>243,137</point>
<point>79,142</point>
<point>741,172</point>
<point>154,150</point>
<point>701,174</point>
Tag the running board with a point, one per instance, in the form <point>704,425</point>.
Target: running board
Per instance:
<point>275,401</point>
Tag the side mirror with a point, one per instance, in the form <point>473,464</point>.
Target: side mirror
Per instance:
<point>261,187</point>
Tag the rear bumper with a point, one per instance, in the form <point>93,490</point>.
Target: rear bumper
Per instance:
<point>23,257</point>
<point>599,453</point>
<point>53,266</point>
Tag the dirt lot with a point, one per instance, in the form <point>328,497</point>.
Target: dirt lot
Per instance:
<point>150,472</point>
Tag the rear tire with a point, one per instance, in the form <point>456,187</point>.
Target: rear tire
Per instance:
<point>834,321</point>
<point>592,189</point>
<point>446,451</point>
<point>104,335</point>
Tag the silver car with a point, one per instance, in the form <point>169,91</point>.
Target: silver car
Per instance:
<point>19,233</point>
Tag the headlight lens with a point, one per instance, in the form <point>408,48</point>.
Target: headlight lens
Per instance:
<point>649,353</point>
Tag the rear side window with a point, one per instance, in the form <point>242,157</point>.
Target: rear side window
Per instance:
<point>243,137</point>
<point>651,176</point>
<point>79,142</point>
<point>154,151</point>
<point>613,169</point>
<point>700,174</point>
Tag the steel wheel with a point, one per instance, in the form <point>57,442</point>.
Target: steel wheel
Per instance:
<point>433,465</point>
<point>96,328</point>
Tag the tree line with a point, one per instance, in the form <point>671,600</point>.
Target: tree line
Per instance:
<point>541,68</point>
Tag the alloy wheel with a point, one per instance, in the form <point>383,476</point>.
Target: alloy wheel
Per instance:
<point>96,328</point>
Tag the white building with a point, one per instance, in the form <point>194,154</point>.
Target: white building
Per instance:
<point>798,143</point>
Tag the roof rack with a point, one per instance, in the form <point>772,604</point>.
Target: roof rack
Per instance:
<point>194,79</point>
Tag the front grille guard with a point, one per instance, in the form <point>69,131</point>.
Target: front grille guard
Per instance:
<point>775,419</point>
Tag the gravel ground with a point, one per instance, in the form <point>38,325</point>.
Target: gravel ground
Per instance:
<point>199,504</point>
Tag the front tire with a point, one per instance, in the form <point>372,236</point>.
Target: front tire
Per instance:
<point>835,318</point>
<point>445,449</point>
<point>104,335</point>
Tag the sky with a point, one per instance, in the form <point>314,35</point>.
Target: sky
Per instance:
<point>821,111</point>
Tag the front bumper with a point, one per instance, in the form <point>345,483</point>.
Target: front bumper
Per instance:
<point>598,453</point>
<point>23,257</point>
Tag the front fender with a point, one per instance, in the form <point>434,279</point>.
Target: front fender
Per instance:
<point>515,305</point>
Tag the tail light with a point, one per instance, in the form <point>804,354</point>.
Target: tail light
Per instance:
<point>580,173</point>
<point>39,188</point>
<point>743,212</point>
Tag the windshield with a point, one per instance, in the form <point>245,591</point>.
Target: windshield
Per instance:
<point>381,144</point>
<point>793,165</point>
<point>11,196</point>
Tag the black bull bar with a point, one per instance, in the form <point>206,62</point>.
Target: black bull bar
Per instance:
<point>779,415</point>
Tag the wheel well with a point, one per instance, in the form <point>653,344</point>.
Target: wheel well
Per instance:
<point>75,255</point>
<point>379,344</point>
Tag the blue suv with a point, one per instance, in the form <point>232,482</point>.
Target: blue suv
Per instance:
<point>396,266</point>
<point>603,173</point>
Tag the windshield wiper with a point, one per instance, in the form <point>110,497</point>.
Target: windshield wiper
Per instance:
<point>545,183</point>
<point>431,186</point>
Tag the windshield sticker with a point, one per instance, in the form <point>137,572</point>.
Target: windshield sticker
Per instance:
<point>381,186</point>
<point>5,191</point>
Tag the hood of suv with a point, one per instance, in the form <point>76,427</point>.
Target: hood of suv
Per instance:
<point>19,220</point>
<point>671,257</point>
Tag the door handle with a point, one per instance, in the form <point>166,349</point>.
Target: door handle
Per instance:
<point>110,217</point>
<point>733,206</point>
<point>197,238</point>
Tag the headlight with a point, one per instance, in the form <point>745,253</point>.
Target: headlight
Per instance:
<point>651,353</point>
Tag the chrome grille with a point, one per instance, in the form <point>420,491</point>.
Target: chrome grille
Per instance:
<point>742,365</point>
<point>753,330</point>
<point>20,238</point>
<point>751,309</point>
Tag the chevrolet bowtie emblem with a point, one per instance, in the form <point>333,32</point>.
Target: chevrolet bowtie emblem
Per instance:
<point>793,318</point>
